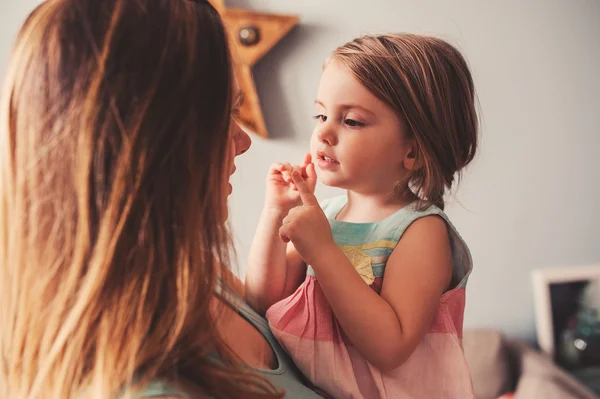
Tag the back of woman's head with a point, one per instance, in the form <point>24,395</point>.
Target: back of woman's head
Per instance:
<point>428,83</point>
<point>113,139</point>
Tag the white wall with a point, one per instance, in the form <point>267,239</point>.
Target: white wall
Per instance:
<point>530,198</point>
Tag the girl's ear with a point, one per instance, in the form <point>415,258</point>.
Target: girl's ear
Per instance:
<point>410,156</point>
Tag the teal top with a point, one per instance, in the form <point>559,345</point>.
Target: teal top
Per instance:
<point>286,376</point>
<point>369,245</point>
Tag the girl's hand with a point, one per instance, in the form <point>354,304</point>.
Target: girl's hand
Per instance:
<point>306,226</point>
<point>282,193</point>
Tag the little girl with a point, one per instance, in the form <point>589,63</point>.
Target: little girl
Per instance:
<point>378,311</point>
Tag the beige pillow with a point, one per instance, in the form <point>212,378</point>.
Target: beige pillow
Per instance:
<point>486,355</point>
<point>542,378</point>
<point>537,386</point>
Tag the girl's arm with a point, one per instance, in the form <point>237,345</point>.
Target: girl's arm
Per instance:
<point>386,329</point>
<point>274,268</point>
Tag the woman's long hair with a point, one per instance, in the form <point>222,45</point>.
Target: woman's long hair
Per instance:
<point>113,150</point>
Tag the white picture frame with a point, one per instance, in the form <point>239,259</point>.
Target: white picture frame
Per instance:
<point>542,280</point>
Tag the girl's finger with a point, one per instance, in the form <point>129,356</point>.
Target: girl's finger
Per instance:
<point>307,159</point>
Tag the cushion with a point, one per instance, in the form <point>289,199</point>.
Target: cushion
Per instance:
<point>488,361</point>
<point>541,377</point>
<point>536,386</point>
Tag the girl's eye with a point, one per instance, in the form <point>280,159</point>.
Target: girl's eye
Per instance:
<point>236,111</point>
<point>353,123</point>
<point>321,118</point>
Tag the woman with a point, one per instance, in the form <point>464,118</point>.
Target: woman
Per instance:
<point>116,150</point>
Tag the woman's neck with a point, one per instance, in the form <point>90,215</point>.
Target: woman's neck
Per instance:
<point>369,208</point>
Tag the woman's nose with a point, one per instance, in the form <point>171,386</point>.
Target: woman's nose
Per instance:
<point>242,141</point>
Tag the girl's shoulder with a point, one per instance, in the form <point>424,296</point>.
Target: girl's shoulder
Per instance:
<point>332,206</point>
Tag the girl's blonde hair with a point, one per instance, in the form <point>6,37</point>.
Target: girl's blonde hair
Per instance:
<point>113,152</point>
<point>428,83</point>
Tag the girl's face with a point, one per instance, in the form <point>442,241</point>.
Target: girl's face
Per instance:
<point>359,141</point>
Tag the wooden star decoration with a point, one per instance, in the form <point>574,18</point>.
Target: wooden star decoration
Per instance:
<point>252,34</point>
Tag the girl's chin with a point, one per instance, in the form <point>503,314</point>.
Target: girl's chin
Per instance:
<point>331,181</point>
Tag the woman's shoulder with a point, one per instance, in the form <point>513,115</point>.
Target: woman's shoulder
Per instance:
<point>163,389</point>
